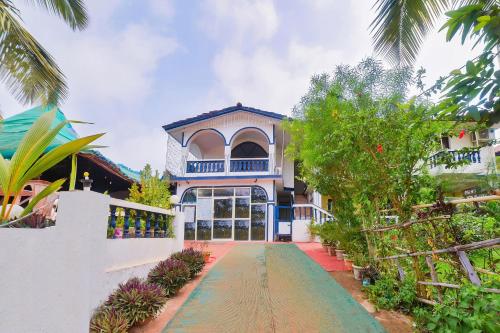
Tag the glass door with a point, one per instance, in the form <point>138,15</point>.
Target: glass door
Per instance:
<point>223,218</point>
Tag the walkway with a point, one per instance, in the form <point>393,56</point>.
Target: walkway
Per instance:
<point>270,288</point>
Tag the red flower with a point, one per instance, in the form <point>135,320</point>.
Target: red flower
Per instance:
<point>394,237</point>
<point>380,149</point>
<point>461,135</point>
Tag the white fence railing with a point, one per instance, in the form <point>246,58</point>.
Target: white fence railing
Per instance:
<point>52,278</point>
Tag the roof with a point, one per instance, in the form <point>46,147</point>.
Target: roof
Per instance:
<point>217,113</point>
<point>14,128</point>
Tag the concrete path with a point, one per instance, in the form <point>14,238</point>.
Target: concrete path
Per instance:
<point>270,288</point>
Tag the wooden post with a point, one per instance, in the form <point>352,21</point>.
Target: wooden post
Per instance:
<point>400,270</point>
<point>464,260</point>
<point>434,276</point>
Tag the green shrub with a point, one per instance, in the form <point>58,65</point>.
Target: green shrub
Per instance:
<point>193,259</point>
<point>108,320</point>
<point>137,300</point>
<point>171,275</point>
<point>389,293</point>
<point>464,310</point>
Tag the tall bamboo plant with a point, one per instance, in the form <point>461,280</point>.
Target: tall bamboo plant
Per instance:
<point>29,162</point>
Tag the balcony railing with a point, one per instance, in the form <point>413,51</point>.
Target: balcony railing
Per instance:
<point>205,166</point>
<point>457,156</point>
<point>249,165</point>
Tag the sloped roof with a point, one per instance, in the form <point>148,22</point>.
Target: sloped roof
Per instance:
<point>13,129</point>
<point>217,113</point>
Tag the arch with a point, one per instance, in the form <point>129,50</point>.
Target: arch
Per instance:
<point>247,128</point>
<point>248,149</point>
<point>205,129</point>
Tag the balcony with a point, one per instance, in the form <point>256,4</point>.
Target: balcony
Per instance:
<point>249,165</point>
<point>480,161</point>
<point>205,166</point>
<point>456,156</point>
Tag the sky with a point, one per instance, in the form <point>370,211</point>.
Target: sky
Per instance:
<point>142,64</point>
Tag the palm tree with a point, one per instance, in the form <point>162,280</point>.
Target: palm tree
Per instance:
<point>400,26</point>
<point>27,69</point>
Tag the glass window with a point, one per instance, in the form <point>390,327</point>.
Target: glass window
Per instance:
<point>241,230</point>
<point>204,211</point>
<point>205,192</point>
<point>189,213</point>
<point>223,208</point>
<point>223,192</point>
<point>242,191</point>
<point>258,195</point>
<point>189,231</point>
<point>223,229</point>
<point>242,208</point>
<point>258,227</point>
<point>204,231</point>
<point>189,196</point>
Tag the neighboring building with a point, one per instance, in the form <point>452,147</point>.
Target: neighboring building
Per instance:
<point>233,178</point>
<point>107,176</point>
<point>482,158</point>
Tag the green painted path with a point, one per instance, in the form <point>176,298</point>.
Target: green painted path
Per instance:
<point>270,288</point>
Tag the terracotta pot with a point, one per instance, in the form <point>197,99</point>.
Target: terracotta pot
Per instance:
<point>358,272</point>
<point>325,246</point>
<point>339,254</point>
<point>206,256</point>
<point>331,251</point>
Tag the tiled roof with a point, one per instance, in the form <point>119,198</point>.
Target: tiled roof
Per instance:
<point>216,113</point>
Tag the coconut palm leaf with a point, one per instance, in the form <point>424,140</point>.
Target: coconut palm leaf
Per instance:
<point>28,70</point>
<point>73,12</point>
<point>400,26</point>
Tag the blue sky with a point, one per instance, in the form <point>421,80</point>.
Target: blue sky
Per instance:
<point>145,63</point>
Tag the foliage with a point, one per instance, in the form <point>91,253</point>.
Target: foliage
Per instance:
<point>341,139</point>
<point>137,300</point>
<point>152,190</point>
<point>471,227</point>
<point>389,293</point>
<point>464,310</point>
<point>193,259</point>
<point>475,91</point>
<point>28,70</point>
<point>29,161</point>
<point>108,320</point>
<point>170,274</point>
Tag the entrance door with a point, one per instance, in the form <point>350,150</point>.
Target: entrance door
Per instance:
<point>283,221</point>
<point>223,218</point>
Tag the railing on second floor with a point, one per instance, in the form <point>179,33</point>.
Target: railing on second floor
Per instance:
<point>457,156</point>
<point>205,166</point>
<point>311,211</point>
<point>249,165</point>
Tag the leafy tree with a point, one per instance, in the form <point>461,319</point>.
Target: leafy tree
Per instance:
<point>361,142</point>
<point>27,69</point>
<point>152,190</point>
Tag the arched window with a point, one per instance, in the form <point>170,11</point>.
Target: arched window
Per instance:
<point>248,149</point>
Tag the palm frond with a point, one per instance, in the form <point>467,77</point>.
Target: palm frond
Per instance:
<point>28,70</point>
<point>400,26</point>
<point>73,12</point>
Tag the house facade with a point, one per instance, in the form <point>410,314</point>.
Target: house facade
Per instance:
<point>480,154</point>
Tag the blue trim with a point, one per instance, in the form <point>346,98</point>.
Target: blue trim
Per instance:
<point>288,189</point>
<point>204,129</point>
<point>217,113</point>
<point>226,177</point>
<point>250,127</point>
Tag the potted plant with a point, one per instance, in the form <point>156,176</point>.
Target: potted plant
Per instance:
<point>348,261</point>
<point>331,249</point>
<point>359,265</point>
<point>339,253</point>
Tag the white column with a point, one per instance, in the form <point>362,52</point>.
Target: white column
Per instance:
<point>272,158</point>
<point>227,159</point>
<point>184,158</point>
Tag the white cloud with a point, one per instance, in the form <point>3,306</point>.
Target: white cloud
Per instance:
<point>240,21</point>
<point>267,80</point>
<point>162,8</point>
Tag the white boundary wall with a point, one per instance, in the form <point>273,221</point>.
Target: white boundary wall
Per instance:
<point>51,279</point>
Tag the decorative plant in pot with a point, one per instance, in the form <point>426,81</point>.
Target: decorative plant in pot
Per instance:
<point>327,233</point>
<point>348,261</point>
<point>359,265</point>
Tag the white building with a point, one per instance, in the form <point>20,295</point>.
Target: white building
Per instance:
<point>481,158</point>
<point>233,178</point>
